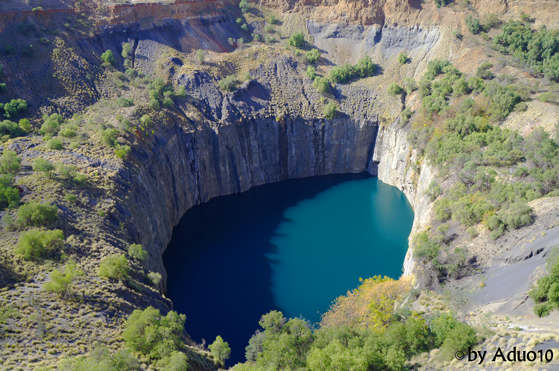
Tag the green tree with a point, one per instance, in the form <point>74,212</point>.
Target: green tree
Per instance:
<point>150,333</point>
<point>403,58</point>
<point>101,359</point>
<point>8,194</point>
<point>51,124</point>
<point>311,73</point>
<point>125,50</point>
<point>10,162</point>
<point>296,40</point>
<point>108,57</point>
<point>114,267</point>
<point>137,252</point>
<point>313,55</point>
<point>321,84</point>
<point>330,110</point>
<point>55,143</point>
<point>36,214</point>
<point>177,361</point>
<point>395,89</point>
<point>201,55</point>
<point>37,244</point>
<point>123,151</point>
<point>474,24</point>
<point>24,125</point>
<point>220,350</point>
<point>154,278</point>
<point>229,83</point>
<point>244,6</point>
<point>61,282</point>
<point>244,27</point>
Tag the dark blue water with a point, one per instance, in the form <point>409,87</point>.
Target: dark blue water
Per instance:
<point>293,246</point>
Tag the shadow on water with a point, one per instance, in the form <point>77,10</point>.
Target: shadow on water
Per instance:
<point>218,272</point>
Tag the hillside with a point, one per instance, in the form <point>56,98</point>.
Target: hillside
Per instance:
<point>134,112</point>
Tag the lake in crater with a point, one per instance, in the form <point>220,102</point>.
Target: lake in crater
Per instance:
<point>292,246</point>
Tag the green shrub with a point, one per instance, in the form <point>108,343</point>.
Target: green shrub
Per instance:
<point>71,198</point>
<point>340,73</point>
<point>483,71</point>
<point>55,143</point>
<point>220,350</point>
<point>402,58</point>
<point>154,278</point>
<point>410,85</point>
<point>108,57</point>
<point>123,102</point>
<point>37,244</point>
<point>61,282</point>
<point>269,28</point>
<point>272,19</point>
<point>10,129</point>
<point>330,110</point>
<point>126,48</point>
<point>13,108</point>
<point>474,24</point>
<point>108,137</point>
<point>244,27</point>
<point>51,124</point>
<point>150,333</point>
<point>434,190</point>
<point>68,132</point>
<point>395,89</point>
<point>201,56</point>
<point>137,252</point>
<point>8,194</point>
<point>36,214</point>
<point>176,361</point>
<point>311,72</point>
<point>123,151</point>
<point>313,55</point>
<point>439,3</point>
<point>114,267</point>
<point>547,97</point>
<point>100,359</point>
<point>297,39</point>
<point>425,247</point>
<point>321,84</point>
<point>24,125</point>
<point>244,6</point>
<point>229,83</point>
<point>10,162</point>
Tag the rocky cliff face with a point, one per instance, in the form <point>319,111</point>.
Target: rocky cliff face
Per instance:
<point>243,139</point>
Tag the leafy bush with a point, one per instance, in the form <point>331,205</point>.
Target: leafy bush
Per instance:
<point>55,143</point>
<point>114,267</point>
<point>71,198</point>
<point>137,252</point>
<point>108,57</point>
<point>8,194</point>
<point>37,244</point>
<point>483,71</point>
<point>330,110</point>
<point>410,85</point>
<point>395,89</point>
<point>10,162</point>
<point>100,359</point>
<point>474,24</point>
<point>124,102</point>
<point>434,190</point>
<point>13,108</point>
<point>229,83</point>
<point>36,214</point>
<point>51,124</point>
<point>402,58</point>
<point>220,350</point>
<point>11,129</point>
<point>244,6</point>
<point>150,333</point>
<point>201,55</point>
<point>61,282</point>
<point>176,361</point>
<point>154,278</point>
<point>123,151</point>
<point>321,84</point>
<point>452,335</point>
<point>313,55</point>
<point>439,3</point>
<point>425,247</point>
<point>311,72</point>
<point>108,137</point>
<point>296,40</point>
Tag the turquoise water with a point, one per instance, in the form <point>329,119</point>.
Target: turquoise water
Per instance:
<point>325,244</point>
<point>292,246</point>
